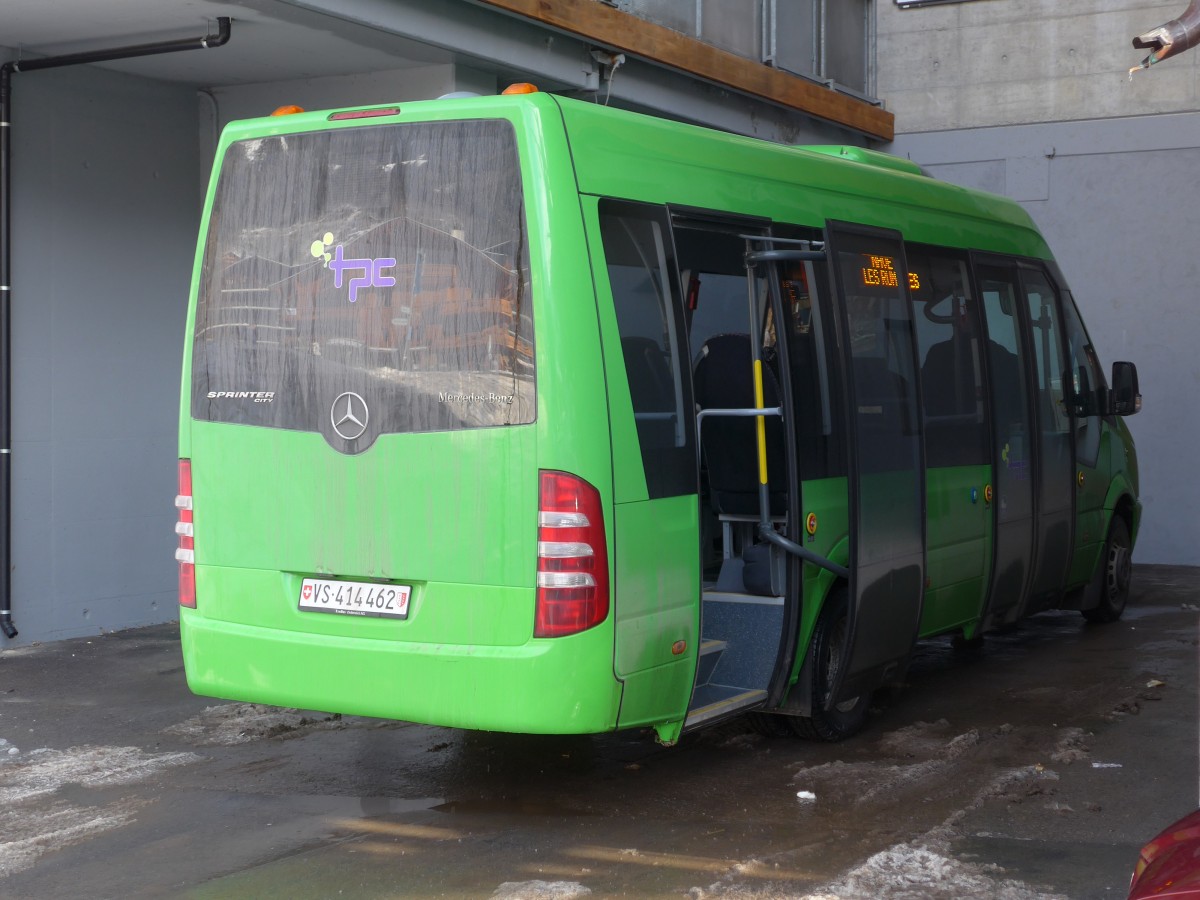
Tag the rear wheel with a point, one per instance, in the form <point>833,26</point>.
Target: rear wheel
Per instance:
<point>829,640</point>
<point>1114,573</point>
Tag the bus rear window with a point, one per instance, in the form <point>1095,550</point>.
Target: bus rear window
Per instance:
<point>388,262</point>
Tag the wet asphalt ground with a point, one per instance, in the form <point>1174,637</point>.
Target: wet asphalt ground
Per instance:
<point>1034,767</point>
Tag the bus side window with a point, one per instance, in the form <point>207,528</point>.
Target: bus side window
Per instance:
<point>879,335</point>
<point>948,329</point>
<point>1087,384</point>
<point>1052,373</point>
<point>639,259</point>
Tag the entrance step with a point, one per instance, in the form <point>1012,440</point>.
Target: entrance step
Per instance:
<point>710,654</point>
<point>716,701</point>
<point>751,625</point>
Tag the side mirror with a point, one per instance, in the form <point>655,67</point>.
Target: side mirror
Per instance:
<point>1126,400</point>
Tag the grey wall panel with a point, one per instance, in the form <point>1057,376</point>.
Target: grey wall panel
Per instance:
<point>982,176</point>
<point>105,214</point>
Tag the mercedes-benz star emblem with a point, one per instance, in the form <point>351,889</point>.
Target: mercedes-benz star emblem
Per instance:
<point>349,416</point>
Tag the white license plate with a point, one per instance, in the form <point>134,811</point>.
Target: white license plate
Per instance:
<point>355,598</point>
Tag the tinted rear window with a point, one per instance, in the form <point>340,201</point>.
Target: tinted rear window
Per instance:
<point>385,263</point>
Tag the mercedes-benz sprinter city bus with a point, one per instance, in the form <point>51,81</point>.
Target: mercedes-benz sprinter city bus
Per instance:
<point>526,414</point>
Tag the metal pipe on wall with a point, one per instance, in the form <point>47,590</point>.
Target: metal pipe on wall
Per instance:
<point>1171,38</point>
<point>206,42</point>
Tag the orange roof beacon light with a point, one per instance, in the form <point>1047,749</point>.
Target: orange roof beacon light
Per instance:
<point>521,87</point>
<point>290,110</point>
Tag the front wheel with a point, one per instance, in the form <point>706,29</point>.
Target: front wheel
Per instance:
<point>1114,573</point>
<point>829,640</point>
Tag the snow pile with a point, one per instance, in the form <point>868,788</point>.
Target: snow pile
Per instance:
<point>540,890</point>
<point>240,723</point>
<point>32,823</point>
<point>907,872</point>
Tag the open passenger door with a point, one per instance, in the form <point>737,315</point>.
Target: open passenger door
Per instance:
<point>886,461</point>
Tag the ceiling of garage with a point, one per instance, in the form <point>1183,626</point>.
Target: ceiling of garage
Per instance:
<point>272,40</point>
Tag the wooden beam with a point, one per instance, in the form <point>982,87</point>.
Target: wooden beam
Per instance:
<point>598,23</point>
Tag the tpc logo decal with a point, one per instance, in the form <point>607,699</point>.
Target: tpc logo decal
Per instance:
<point>372,269</point>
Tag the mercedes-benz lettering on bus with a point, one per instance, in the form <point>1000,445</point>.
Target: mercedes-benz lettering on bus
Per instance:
<point>526,414</point>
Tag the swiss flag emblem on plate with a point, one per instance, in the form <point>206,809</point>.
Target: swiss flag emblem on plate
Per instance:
<point>307,592</point>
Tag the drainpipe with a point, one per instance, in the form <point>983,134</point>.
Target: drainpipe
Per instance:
<point>6,298</point>
<point>1170,39</point>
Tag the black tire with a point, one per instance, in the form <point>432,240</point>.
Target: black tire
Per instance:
<point>829,638</point>
<point>1113,574</point>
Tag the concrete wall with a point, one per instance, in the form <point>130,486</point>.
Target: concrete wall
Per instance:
<point>1112,189</point>
<point>105,212</point>
<point>1003,62</point>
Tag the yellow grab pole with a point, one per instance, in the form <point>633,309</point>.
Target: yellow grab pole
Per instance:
<point>760,423</point>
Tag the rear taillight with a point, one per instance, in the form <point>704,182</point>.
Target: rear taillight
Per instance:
<point>572,572</point>
<point>186,554</point>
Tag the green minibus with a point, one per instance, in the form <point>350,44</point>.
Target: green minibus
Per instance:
<point>525,414</point>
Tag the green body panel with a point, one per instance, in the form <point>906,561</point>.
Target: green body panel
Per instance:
<point>958,535</point>
<point>406,509</point>
<point>827,499</point>
<point>1111,484</point>
<point>541,687</point>
<point>1091,518</point>
<point>657,591</point>
<point>658,581</point>
<point>1124,483</point>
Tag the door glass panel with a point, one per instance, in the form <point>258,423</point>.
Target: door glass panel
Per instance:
<point>1047,350</point>
<point>946,318</point>
<point>1087,378</point>
<point>1014,496</point>
<point>820,435</point>
<point>640,263</point>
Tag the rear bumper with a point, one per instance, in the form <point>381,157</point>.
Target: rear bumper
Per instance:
<point>557,686</point>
